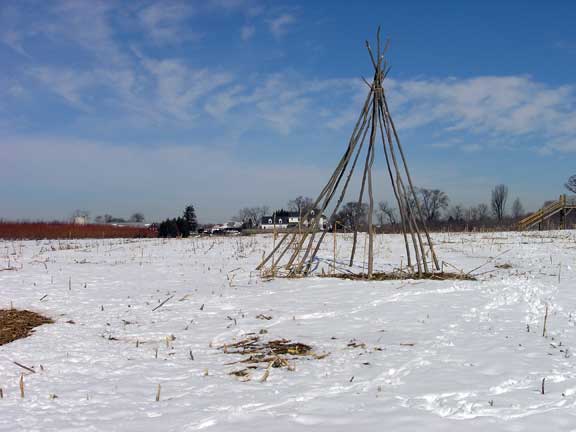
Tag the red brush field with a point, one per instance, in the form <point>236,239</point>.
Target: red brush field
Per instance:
<point>60,230</point>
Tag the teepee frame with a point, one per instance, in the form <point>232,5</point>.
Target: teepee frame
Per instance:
<point>294,254</point>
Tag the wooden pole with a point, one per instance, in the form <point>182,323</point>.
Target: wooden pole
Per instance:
<point>413,190</point>
<point>370,192</point>
<point>334,233</point>
<point>359,205</point>
<point>404,202</point>
<point>410,213</point>
<point>394,189</point>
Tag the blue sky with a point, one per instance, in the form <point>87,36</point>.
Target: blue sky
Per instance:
<point>118,107</point>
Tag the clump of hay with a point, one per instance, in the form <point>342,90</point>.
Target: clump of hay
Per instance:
<point>17,324</point>
<point>276,353</point>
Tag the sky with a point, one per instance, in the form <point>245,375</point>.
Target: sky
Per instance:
<point>123,106</point>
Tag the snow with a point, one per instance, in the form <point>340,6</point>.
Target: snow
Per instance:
<point>437,355</point>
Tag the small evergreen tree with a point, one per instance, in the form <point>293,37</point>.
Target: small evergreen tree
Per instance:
<point>162,229</point>
<point>168,228</point>
<point>183,226</point>
<point>173,230</point>
<point>190,218</point>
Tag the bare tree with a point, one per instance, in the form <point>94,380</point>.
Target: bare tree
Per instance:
<point>433,202</point>
<point>245,214</point>
<point>571,184</point>
<point>482,211</point>
<point>252,215</point>
<point>498,201</point>
<point>457,213</point>
<point>352,215</point>
<point>301,205</point>
<point>137,217</point>
<point>471,214</point>
<point>517,209</point>
<point>385,211</point>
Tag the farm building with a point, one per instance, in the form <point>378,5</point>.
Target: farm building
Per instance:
<point>79,220</point>
<point>282,219</point>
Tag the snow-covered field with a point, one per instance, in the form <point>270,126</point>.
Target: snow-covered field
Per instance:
<point>403,355</point>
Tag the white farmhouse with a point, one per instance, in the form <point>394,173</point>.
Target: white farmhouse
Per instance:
<point>284,219</point>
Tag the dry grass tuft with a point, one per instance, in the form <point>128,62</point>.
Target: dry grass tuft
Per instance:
<point>401,276</point>
<point>17,324</point>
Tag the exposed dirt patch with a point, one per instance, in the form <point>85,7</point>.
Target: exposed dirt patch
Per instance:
<point>402,276</point>
<point>17,324</point>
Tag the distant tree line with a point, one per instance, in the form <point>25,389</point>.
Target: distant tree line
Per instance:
<point>439,214</point>
<point>435,205</point>
<point>137,217</point>
<point>436,211</point>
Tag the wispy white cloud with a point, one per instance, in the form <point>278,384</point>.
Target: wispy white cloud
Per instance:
<point>84,24</point>
<point>13,39</point>
<point>159,90</point>
<point>279,25</point>
<point>122,75</point>
<point>219,104</point>
<point>443,145</point>
<point>512,106</point>
<point>284,102</point>
<point>178,87</point>
<point>276,102</point>
<point>562,145</point>
<point>13,30</point>
<point>92,89</point>
<point>69,84</point>
<point>495,108</point>
<point>471,148</point>
<point>247,32</point>
<point>250,8</point>
<point>164,23</point>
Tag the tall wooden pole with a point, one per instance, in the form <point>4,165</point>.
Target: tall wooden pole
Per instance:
<point>370,192</point>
